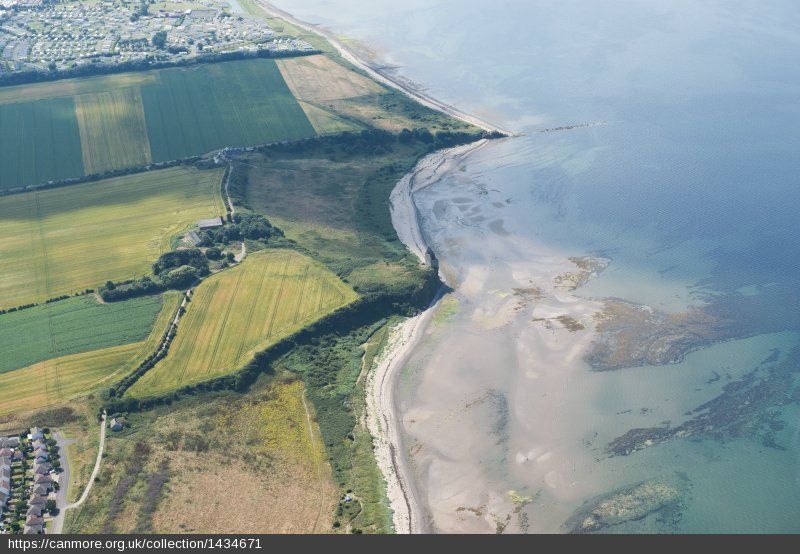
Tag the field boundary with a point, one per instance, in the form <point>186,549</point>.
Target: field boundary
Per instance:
<point>34,77</point>
<point>365,310</point>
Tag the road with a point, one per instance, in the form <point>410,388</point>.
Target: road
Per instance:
<point>57,523</point>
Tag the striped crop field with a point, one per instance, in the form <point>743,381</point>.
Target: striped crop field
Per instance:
<point>243,310</point>
<point>112,129</point>
<point>64,240</point>
<point>207,107</point>
<point>90,125</point>
<point>71,326</point>
<point>67,377</point>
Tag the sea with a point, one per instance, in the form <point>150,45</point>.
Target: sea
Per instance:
<point>659,140</point>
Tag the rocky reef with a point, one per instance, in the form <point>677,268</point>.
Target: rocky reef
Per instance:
<point>631,335</point>
<point>587,267</point>
<point>749,406</point>
<point>661,498</point>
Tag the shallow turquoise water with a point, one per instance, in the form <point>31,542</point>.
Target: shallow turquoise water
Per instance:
<point>689,185</point>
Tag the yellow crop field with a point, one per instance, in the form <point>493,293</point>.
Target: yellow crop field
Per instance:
<point>64,240</point>
<point>243,310</point>
<point>112,129</point>
<point>62,379</point>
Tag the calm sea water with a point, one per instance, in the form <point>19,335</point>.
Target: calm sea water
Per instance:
<point>689,182</point>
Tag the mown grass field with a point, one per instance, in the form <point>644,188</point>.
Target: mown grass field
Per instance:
<point>75,127</point>
<point>61,379</point>
<point>71,326</point>
<point>65,240</point>
<point>242,310</point>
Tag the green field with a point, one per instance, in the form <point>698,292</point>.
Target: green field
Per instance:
<point>212,106</point>
<point>64,378</point>
<point>71,326</point>
<point>64,240</point>
<point>39,142</point>
<point>237,312</point>
<point>74,127</point>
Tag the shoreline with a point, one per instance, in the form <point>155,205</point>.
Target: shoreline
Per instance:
<point>381,407</point>
<point>380,75</point>
<point>381,411</point>
<point>381,417</point>
<point>428,171</point>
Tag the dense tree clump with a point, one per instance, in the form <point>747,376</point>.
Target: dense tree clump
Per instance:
<point>244,226</point>
<point>177,258</point>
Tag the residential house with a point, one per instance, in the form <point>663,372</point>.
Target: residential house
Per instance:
<point>43,480</point>
<point>34,510</point>
<point>41,469</point>
<point>37,501</point>
<point>9,442</point>
<point>41,459</point>
<point>33,530</point>
<point>40,490</point>
<point>36,434</point>
<point>34,520</point>
<point>6,453</point>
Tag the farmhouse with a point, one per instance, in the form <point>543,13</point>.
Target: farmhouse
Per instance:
<point>211,223</point>
<point>193,238</point>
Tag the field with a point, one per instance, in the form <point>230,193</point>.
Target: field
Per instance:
<point>226,463</point>
<point>75,127</point>
<point>337,205</point>
<point>39,142</point>
<point>237,312</point>
<point>61,379</point>
<point>336,97</point>
<point>64,240</point>
<point>72,326</point>
<point>192,111</point>
<point>113,131</point>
